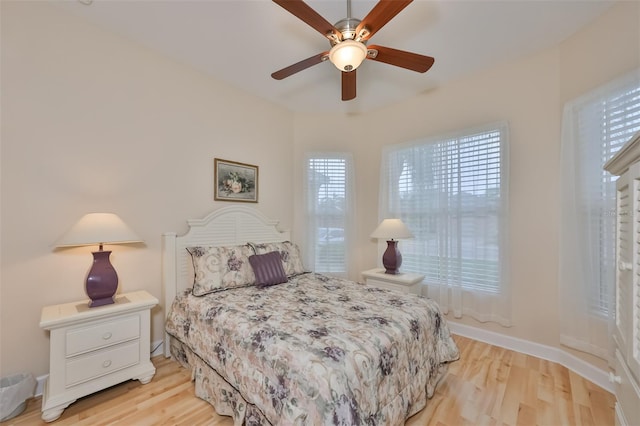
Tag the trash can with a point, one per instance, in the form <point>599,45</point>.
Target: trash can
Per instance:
<point>14,392</point>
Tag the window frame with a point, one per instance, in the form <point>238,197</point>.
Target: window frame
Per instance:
<point>317,221</point>
<point>387,208</point>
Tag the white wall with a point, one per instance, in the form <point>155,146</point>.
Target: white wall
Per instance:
<point>529,93</point>
<point>93,122</point>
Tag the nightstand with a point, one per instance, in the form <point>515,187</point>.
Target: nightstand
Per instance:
<point>94,348</point>
<point>406,283</point>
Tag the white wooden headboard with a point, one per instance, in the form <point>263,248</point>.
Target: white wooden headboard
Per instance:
<point>233,225</point>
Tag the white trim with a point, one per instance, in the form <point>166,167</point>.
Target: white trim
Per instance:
<point>549,353</point>
<point>621,420</point>
<point>628,155</point>
<point>40,380</point>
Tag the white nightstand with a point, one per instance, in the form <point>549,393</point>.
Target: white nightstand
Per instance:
<point>407,283</point>
<point>94,348</point>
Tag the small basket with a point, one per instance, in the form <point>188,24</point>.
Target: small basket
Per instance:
<point>14,392</point>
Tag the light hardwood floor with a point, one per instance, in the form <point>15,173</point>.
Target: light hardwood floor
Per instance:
<point>487,386</point>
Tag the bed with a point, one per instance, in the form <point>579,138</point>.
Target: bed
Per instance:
<point>269,343</point>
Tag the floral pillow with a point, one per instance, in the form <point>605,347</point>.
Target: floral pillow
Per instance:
<point>289,253</point>
<point>220,268</point>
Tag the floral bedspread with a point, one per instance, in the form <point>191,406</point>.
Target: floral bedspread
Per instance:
<point>320,350</point>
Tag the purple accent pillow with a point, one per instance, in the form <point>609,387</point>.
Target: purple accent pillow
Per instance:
<point>289,252</point>
<point>268,269</point>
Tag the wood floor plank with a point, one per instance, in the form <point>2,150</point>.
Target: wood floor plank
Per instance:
<point>489,386</point>
<point>527,415</point>
<point>513,395</point>
<point>601,404</point>
<point>545,383</point>
<point>579,391</point>
<point>545,413</point>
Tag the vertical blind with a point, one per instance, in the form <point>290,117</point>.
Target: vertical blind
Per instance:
<point>328,195</point>
<point>449,192</point>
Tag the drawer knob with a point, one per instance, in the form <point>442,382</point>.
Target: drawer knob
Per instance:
<point>106,364</point>
<point>107,335</point>
<point>614,379</point>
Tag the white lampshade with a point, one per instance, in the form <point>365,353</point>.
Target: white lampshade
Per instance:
<point>348,54</point>
<point>391,229</point>
<point>98,228</point>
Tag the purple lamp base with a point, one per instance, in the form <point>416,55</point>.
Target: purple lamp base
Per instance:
<point>392,259</point>
<point>102,280</point>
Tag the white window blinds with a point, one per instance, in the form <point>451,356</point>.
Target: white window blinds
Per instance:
<point>606,124</point>
<point>594,127</point>
<point>451,193</point>
<point>603,126</point>
<point>329,195</point>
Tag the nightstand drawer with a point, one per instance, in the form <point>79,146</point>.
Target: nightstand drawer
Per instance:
<point>103,334</point>
<point>404,282</point>
<point>90,366</point>
<point>412,288</point>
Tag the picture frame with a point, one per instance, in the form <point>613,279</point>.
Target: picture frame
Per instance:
<point>234,181</point>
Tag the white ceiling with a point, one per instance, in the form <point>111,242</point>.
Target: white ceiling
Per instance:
<point>242,42</point>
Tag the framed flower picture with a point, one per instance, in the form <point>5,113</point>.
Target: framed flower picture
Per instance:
<point>235,181</point>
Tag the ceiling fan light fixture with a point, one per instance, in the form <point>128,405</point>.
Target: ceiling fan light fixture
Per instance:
<point>348,55</point>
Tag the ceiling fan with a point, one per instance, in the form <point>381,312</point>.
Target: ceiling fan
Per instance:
<point>348,38</point>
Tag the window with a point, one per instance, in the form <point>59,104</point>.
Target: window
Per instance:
<point>594,128</point>
<point>606,124</point>
<point>329,192</point>
<point>451,193</point>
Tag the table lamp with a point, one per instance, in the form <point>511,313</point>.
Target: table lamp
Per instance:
<point>392,230</point>
<point>100,229</point>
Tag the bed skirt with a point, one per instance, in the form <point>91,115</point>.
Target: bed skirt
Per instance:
<point>211,387</point>
<point>227,401</point>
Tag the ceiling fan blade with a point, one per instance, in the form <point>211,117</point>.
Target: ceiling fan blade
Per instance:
<point>381,13</point>
<point>305,13</point>
<point>400,58</point>
<point>299,66</point>
<point>348,85</point>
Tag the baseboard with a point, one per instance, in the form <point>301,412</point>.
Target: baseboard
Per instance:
<point>621,420</point>
<point>549,353</point>
<point>40,380</point>
<point>156,349</point>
